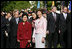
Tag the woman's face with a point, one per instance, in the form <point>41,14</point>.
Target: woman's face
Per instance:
<point>24,18</point>
<point>39,13</point>
<point>44,15</point>
<point>34,15</point>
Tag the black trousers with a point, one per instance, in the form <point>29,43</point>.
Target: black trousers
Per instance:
<point>69,41</point>
<point>13,42</point>
<point>3,43</point>
<point>69,38</point>
<point>62,40</point>
<point>7,42</point>
<point>52,39</point>
<point>65,38</point>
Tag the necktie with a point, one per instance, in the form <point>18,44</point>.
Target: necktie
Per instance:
<point>17,19</point>
<point>65,15</point>
<point>55,16</point>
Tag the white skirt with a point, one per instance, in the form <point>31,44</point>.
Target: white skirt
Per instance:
<point>38,41</point>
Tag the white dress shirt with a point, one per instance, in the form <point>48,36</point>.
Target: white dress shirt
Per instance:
<point>17,19</point>
<point>10,18</point>
<point>65,15</point>
<point>54,15</point>
<point>29,17</point>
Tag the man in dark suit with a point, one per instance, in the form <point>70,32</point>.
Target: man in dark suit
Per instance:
<point>64,30</point>
<point>13,29</point>
<point>7,31</point>
<point>69,31</point>
<point>52,27</point>
<point>3,28</point>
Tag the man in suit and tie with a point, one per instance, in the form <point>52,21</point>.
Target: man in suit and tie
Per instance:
<point>52,28</point>
<point>13,28</point>
<point>65,28</point>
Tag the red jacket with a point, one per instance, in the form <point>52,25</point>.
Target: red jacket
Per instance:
<point>24,31</point>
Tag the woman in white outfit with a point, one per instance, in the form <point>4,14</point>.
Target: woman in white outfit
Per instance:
<point>39,32</point>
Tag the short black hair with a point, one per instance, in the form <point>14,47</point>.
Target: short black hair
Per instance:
<point>29,12</point>
<point>40,10</point>
<point>25,14</point>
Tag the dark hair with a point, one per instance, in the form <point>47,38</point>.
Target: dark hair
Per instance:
<point>66,7</point>
<point>39,10</point>
<point>21,12</point>
<point>36,15</point>
<point>25,14</point>
<point>33,12</point>
<point>44,12</point>
<point>29,12</point>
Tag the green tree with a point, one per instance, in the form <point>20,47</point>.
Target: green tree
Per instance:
<point>11,5</point>
<point>49,4</point>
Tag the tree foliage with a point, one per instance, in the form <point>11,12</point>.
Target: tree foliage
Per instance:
<point>11,5</point>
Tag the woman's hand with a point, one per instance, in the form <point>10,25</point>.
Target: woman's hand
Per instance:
<point>29,41</point>
<point>18,40</point>
<point>33,25</point>
<point>43,40</point>
<point>47,32</point>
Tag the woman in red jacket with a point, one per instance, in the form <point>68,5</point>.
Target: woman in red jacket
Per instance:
<point>24,32</point>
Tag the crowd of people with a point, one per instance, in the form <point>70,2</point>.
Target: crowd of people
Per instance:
<point>36,29</point>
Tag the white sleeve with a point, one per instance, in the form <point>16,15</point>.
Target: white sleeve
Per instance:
<point>44,27</point>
